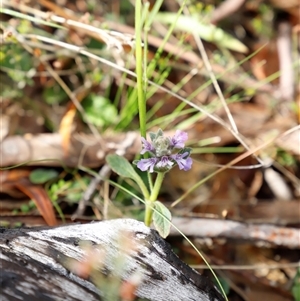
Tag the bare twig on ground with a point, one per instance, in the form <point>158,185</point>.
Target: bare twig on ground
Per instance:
<point>226,9</point>
<point>103,173</point>
<point>213,228</point>
<point>284,46</point>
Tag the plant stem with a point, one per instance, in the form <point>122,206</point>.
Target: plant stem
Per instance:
<point>148,213</point>
<point>145,80</point>
<point>153,198</point>
<point>139,67</point>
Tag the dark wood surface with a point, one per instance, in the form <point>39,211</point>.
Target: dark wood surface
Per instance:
<point>36,263</point>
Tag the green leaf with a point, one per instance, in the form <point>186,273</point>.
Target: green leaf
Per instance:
<point>122,167</point>
<point>99,111</point>
<point>162,219</point>
<point>152,136</point>
<point>184,150</point>
<point>75,191</point>
<point>207,32</point>
<point>296,287</point>
<point>42,175</point>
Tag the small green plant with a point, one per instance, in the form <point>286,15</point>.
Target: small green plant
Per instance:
<point>99,111</point>
<point>26,208</point>
<point>164,153</point>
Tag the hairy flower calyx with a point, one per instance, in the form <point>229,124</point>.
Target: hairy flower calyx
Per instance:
<point>165,152</point>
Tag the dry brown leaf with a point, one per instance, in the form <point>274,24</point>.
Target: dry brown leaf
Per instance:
<point>65,128</point>
<point>18,179</point>
<point>41,199</point>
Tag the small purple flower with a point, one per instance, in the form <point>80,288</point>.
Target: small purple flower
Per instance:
<point>164,162</point>
<point>177,141</point>
<point>147,146</point>
<point>183,163</point>
<point>145,164</point>
<point>162,153</point>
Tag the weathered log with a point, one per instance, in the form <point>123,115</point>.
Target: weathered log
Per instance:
<point>36,263</point>
<point>47,149</point>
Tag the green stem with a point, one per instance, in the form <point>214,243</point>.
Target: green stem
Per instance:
<point>148,213</point>
<point>156,189</point>
<point>139,67</point>
<point>143,188</point>
<point>153,198</point>
<point>145,80</point>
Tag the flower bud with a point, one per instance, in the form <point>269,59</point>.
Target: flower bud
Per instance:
<point>162,146</point>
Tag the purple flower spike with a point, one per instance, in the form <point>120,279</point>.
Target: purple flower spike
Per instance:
<point>145,164</point>
<point>183,163</point>
<point>162,153</point>
<point>147,146</point>
<point>177,141</point>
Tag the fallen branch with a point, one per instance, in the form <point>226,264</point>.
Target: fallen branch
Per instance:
<point>47,149</point>
<point>36,263</point>
<point>216,228</point>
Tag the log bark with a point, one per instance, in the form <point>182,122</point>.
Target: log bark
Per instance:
<point>47,149</point>
<point>37,264</point>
